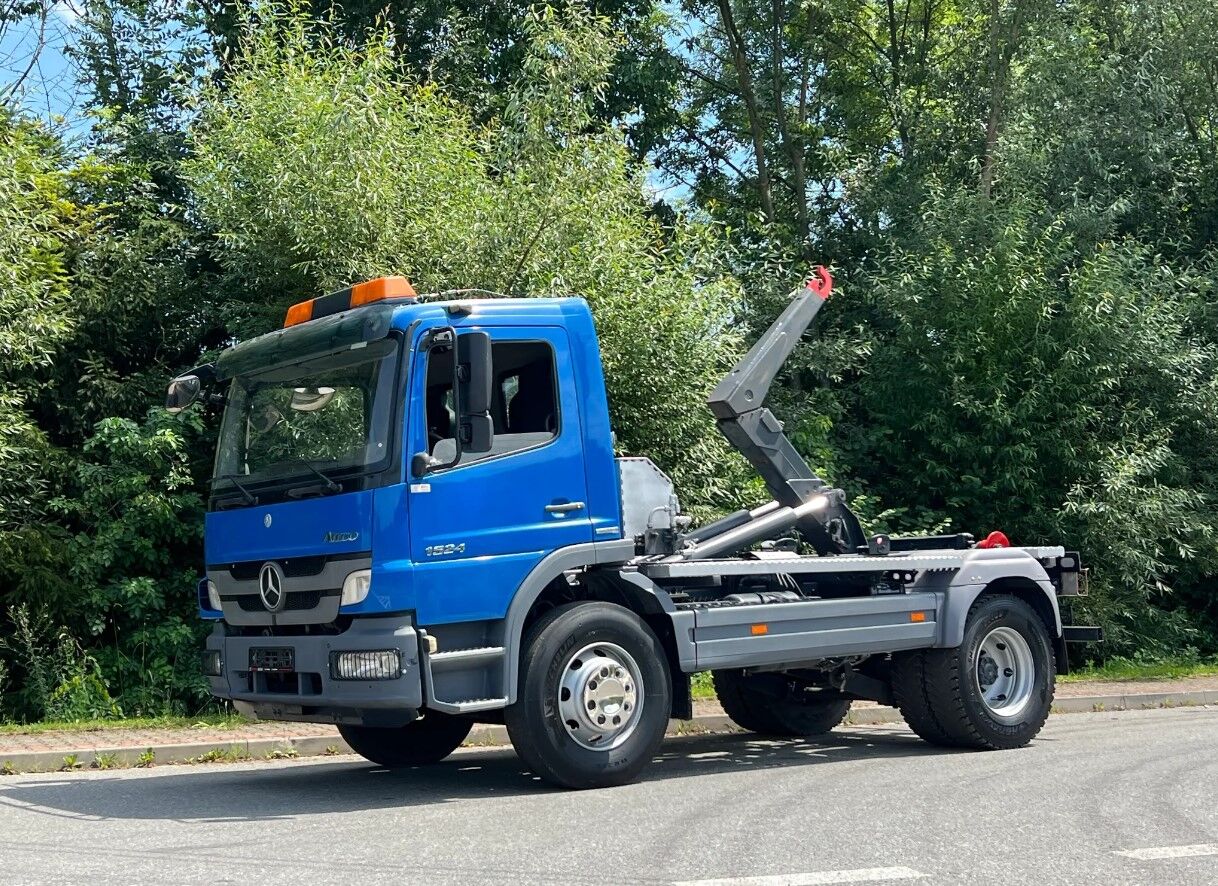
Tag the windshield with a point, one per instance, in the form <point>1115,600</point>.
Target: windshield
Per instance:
<point>328,414</point>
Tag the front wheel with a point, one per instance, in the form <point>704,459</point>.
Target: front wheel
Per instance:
<point>993,691</point>
<point>429,739</point>
<point>594,696</point>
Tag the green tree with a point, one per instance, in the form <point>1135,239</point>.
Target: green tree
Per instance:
<point>319,166</point>
<point>1027,380</point>
<point>39,225</point>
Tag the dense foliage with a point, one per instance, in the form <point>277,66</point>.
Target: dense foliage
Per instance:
<point>1019,199</point>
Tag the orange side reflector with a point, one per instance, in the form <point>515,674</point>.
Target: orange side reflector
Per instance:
<point>301,312</point>
<point>380,288</point>
<point>758,630</point>
<point>917,616</point>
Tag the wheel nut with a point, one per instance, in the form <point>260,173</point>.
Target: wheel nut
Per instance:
<point>592,706</point>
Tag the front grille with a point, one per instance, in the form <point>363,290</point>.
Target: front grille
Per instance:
<point>312,586</point>
<point>294,567</point>
<point>295,603</point>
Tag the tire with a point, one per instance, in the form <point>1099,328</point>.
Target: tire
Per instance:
<point>993,692</point>
<point>582,666</point>
<point>750,706</point>
<point>429,739</point>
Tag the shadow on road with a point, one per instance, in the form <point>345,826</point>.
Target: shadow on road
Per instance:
<point>278,790</point>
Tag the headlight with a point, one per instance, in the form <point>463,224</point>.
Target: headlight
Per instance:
<point>355,588</point>
<point>209,597</point>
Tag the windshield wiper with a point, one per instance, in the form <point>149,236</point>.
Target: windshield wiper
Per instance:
<point>331,486</point>
<point>250,498</point>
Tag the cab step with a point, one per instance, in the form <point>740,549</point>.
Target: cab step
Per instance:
<point>462,658</point>
<point>469,706</point>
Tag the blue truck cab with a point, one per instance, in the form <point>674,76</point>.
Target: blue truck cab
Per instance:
<point>369,523</point>
<point>417,522</point>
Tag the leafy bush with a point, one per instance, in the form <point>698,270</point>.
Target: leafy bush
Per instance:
<point>62,681</point>
<point>1024,378</point>
<point>137,517</point>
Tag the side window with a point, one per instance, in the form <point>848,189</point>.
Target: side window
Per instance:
<point>440,416</point>
<point>524,372</point>
<point>524,400</point>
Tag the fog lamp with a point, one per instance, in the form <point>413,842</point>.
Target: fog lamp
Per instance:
<point>367,664</point>
<point>213,665</point>
<point>356,586</point>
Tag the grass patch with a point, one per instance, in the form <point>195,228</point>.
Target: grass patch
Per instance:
<point>1130,670</point>
<point>209,721</point>
<point>70,763</point>
<point>703,687</point>
<point>222,755</point>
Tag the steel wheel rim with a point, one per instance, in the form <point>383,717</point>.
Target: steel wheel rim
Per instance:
<point>600,696</point>
<point>1005,673</point>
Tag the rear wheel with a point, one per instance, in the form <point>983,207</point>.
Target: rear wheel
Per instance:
<point>594,696</point>
<point>994,691</point>
<point>766,704</point>
<point>429,739</point>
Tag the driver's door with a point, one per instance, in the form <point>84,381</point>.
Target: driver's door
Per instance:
<point>479,527</point>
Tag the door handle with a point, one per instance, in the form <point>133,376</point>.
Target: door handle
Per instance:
<point>565,507</point>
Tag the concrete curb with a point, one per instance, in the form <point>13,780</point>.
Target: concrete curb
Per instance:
<point>496,736</point>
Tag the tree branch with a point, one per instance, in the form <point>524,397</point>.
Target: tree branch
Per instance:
<point>745,80</point>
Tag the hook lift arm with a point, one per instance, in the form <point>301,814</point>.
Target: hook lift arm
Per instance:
<point>737,403</point>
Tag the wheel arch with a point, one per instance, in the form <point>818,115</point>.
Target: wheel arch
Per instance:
<point>603,580</point>
<point>1037,594</point>
<point>546,581</point>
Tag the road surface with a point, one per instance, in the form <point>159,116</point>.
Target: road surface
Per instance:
<point>1101,798</point>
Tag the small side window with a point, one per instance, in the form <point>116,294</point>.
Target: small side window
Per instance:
<point>527,386</point>
<point>524,407</point>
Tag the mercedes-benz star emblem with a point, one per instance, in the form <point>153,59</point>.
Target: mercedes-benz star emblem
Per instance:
<point>266,521</point>
<point>270,587</point>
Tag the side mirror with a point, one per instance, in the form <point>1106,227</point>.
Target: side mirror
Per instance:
<point>183,391</point>
<point>311,399</point>
<point>477,433</point>
<point>422,463</point>
<point>474,359</point>
<point>474,377</point>
<point>471,380</point>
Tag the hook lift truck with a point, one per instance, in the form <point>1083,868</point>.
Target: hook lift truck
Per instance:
<point>417,522</point>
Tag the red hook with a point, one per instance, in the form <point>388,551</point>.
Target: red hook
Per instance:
<point>995,539</point>
<point>822,283</point>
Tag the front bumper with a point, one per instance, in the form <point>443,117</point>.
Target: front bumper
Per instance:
<point>308,692</point>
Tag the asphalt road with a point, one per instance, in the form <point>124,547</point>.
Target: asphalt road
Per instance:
<point>1100,798</point>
